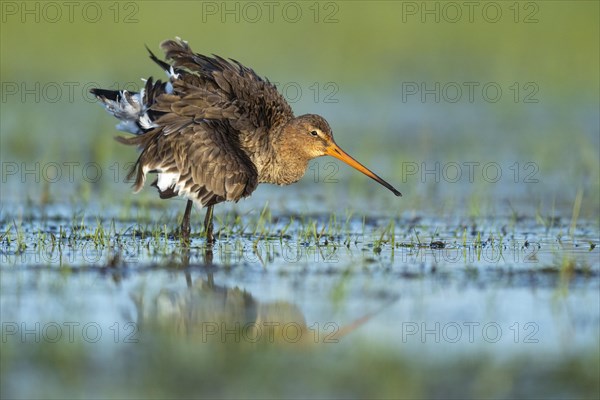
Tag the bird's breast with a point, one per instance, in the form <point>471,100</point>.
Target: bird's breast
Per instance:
<point>280,172</point>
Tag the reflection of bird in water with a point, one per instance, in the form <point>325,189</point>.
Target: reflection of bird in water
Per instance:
<point>209,313</point>
<point>216,130</point>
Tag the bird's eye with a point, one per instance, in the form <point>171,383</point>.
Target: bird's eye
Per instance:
<point>314,133</point>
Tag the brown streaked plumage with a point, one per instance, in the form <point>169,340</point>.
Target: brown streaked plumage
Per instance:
<point>215,130</point>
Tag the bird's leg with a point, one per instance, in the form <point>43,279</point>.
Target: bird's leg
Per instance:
<point>208,225</point>
<point>185,223</point>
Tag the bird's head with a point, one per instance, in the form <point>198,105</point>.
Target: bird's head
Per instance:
<point>310,136</point>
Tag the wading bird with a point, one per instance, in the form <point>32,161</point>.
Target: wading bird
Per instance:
<point>215,130</point>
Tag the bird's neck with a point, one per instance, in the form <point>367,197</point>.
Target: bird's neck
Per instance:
<point>281,164</point>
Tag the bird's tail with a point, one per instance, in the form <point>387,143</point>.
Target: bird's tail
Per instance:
<point>131,108</point>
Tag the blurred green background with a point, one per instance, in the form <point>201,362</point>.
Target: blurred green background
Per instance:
<point>353,62</point>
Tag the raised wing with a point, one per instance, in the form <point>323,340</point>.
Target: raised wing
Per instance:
<point>215,88</point>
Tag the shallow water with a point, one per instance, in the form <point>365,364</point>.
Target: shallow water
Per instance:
<point>437,289</point>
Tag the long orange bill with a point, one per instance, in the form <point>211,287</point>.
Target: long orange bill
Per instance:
<point>335,151</point>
